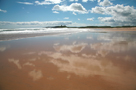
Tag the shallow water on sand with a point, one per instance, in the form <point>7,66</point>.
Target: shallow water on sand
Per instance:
<point>79,61</point>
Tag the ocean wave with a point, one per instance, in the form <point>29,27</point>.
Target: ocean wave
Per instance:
<point>40,30</point>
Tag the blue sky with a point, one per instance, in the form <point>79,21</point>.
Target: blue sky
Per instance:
<point>42,13</point>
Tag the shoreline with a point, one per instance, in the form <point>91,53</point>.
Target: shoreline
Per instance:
<point>8,37</point>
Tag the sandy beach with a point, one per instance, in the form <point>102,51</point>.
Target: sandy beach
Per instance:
<point>85,60</point>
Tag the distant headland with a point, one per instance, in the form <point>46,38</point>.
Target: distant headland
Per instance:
<point>64,26</point>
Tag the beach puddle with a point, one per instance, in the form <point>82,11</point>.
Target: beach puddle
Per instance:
<point>79,61</point>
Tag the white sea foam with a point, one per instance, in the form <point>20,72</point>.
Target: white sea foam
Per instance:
<point>41,30</point>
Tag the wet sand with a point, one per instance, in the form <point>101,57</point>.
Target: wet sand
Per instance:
<point>120,29</point>
<point>79,61</point>
<point>4,37</point>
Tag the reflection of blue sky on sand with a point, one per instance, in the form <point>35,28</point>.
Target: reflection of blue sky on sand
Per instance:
<point>107,55</point>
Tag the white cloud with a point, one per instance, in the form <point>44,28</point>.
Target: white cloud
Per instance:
<point>73,0</point>
<point>42,3</point>
<point>74,7</point>
<point>84,0</point>
<point>121,15</point>
<point>107,19</point>
<point>99,10</point>
<point>74,13</point>
<point>55,12</point>
<point>99,1</point>
<point>92,0</point>
<point>90,19</point>
<point>48,2</point>
<point>3,11</point>
<point>78,19</point>
<point>87,0</point>
<point>27,3</point>
<point>66,18</point>
<point>105,3</point>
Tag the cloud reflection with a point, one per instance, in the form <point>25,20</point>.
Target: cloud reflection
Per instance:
<point>75,48</point>
<point>36,74</point>
<point>56,43</point>
<point>117,42</point>
<point>3,48</point>
<point>82,66</point>
<point>16,62</point>
<point>126,58</point>
<point>29,64</point>
<point>89,37</point>
<point>89,56</point>
<point>30,53</point>
<point>114,46</point>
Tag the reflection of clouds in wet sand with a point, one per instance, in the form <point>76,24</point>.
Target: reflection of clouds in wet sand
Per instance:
<point>89,37</point>
<point>33,59</point>
<point>103,53</point>
<point>16,62</point>
<point>50,78</point>
<point>119,41</point>
<point>75,48</point>
<point>42,53</point>
<point>74,42</point>
<point>126,58</point>
<point>3,48</point>
<point>29,64</point>
<point>105,37</point>
<point>30,53</point>
<point>89,66</point>
<point>102,50</point>
<point>36,74</point>
<point>118,36</point>
<point>56,43</point>
<point>66,38</point>
<point>82,66</point>
<point>114,46</point>
<point>68,77</point>
<point>89,56</point>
